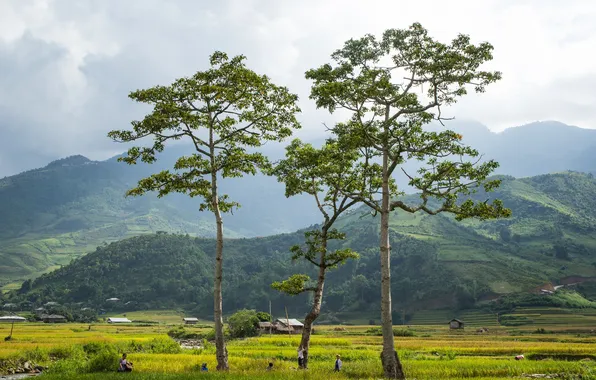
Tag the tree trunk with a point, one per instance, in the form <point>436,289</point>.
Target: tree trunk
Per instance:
<point>391,364</point>
<point>221,352</point>
<point>314,311</point>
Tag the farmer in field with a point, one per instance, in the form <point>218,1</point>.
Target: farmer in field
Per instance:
<point>300,357</point>
<point>125,365</point>
<point>337,364</point>
<point>270,368</point>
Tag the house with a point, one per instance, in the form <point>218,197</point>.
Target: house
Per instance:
<point>266,325</point>
<point>119,320</point>
<point>51,303</point>
<point>456,324</point>
<point>53,318</point>
<point>114,299</point>
<point>190,321</point>
<point>293,326</point>
<point>10,306</point>
<point>12,319</point>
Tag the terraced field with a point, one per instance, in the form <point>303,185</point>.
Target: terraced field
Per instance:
<point>434,352</point>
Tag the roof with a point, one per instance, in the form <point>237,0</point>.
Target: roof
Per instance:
<point>291,322</point>
<point>12,318</point>
<point>51,303</point>
<point>9,305</point>
<point>113,299</point>
<point>456,320</point>
<point>191,319</point>
<point>53,316</point>
<point>119,320</point>
<point>265,324</point>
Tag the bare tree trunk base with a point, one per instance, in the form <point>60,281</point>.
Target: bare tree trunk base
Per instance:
<point>222,361</point>
<point>392,366</point>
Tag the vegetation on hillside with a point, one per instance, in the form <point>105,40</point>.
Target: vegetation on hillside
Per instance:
<point>436,262</point>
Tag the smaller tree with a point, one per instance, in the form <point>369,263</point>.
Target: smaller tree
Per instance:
<point>320,173</point>
<point>243,324</point>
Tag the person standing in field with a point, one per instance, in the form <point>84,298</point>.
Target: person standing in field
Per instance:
<point>300,357</point>
<point>337,364</point>
<point>270,368</point>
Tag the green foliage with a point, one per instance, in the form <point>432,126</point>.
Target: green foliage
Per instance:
<point>294,285</point>
<point>388,116</point>
<point>264,317</point>
<point>432,257</point>
<point>235,107</point>
<point>320,173</point>
<point>243,324</point>
<point>179,332</point>
<point>376,331</point>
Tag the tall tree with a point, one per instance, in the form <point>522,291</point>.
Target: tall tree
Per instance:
<point>394,86</point>
<point>223,111</point>
<point>319,173</point>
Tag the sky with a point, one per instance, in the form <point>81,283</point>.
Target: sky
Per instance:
<point>66,67</point>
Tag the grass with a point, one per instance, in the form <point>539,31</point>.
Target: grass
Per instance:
<point>434,352</point>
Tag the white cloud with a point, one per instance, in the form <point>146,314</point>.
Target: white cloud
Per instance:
<point>68,66</point>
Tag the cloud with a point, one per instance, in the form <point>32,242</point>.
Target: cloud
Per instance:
<point>67,67</point>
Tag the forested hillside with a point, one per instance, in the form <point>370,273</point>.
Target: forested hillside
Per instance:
<point>436,261</point>
<point>51,215</point>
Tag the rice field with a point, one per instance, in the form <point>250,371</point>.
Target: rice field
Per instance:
<point>434,352</point>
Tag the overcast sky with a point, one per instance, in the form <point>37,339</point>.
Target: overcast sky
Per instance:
<point>66,66</point>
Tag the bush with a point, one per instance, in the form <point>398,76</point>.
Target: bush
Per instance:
<point>264,317</point>
<point>180,332</point>
<point>396,332</point>
<point>105,361</point>
<point>243,324</point>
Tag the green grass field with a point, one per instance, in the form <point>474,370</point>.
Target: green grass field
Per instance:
<point>434,352</point>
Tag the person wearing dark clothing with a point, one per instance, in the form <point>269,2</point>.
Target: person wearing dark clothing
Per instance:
<point>204,367</point>
<point>270,368</point>
<point>337,364</point>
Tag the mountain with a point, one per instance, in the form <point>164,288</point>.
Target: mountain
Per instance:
<point>536,148</point>
<point>49,216</point>
<point>436,261</point>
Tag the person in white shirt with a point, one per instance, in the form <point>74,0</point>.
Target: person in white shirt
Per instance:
<point>300,357</point>
<point>337,364</point>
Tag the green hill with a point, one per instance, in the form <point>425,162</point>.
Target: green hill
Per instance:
<point>51,215</point>
<point>436,261</point>
<point>66,209</point>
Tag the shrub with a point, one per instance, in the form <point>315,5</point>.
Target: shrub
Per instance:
<point>264,317</point>
<point>104,361</point>
<point>243,324</point>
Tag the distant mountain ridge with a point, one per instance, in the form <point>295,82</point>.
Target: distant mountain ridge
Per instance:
<point>50,215</point>
<point>437,262</point>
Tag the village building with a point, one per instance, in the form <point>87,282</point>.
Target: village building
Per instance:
<point>119,320</point>
<point>114,299</point>
<point>53,318</point>
<point>190,321</point>
<point>282,326</point>
<point>456,324</point>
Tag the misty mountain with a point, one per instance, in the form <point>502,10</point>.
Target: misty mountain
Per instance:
<point>436,261</point>
<point>64,210</point>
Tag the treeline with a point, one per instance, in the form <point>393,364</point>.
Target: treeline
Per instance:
<point>171,271</point>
